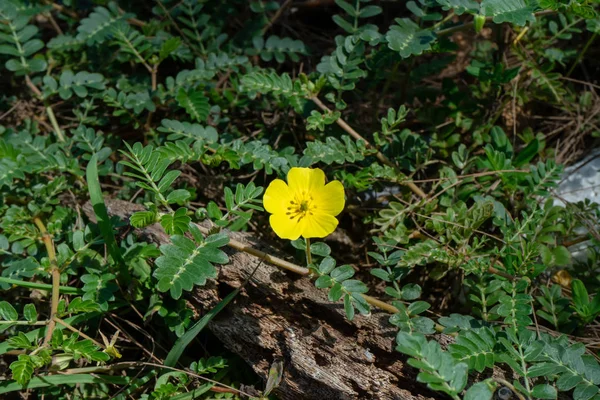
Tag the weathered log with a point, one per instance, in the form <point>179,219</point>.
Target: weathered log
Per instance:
<point>280,316</point>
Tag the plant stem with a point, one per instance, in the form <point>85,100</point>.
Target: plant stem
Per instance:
<point>54,123</point>
<point>581,53</point>
<point>73,329</point>
<point>49,243</point>
<point>40,286</point>
<point>308,255</point>
<point>279,262</point>
<point>380,156</point>
<point>23,323</point>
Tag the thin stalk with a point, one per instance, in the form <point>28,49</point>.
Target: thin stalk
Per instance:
<point>582,53</point>
<point>23,323</point>
<point>54,123</point>
<point>55,271</point>
<point>73,329</point>
<point>308,255</point>
<point>40,286</point>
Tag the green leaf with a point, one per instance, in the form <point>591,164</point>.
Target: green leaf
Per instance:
<point>584,391</point>
<point>369,11</point>
<point>527,154</point>
<point>514,11</point>
<point>21,341</point>
<point>408,39</point>
<point>342,273</point>
<point>320,249</point>
<point>177,222</point>
<point>30,313</point>
<point>348,307</point>
<point>481,391</point>
<point>460,6</point>
<point>141,219</point>
<point>580,294</point>
<point>335,293</point>
<point>181,343</point>
<point>323,282</point>
<point>327,265</point>
<point>355,286</point>
<point>544,391</point>
<point>22,369</point>
<point>168,47</point>
<point>178,196</point>
<point>99,207</point>
<point>8,312</point>
<point>184,263</point>
<point>195,103</point>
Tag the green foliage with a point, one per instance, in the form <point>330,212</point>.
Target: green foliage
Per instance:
<point>408,39</point>
<point>240,206</point>
<point>185,262</point>
<point>437,368</point>
<point>195,103</point>
<point>445,125</point>
<point>337,281</point>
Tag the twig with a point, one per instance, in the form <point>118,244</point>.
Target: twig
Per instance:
<point>276,16</point>
<point>9,110</point>
<point>53,23</point>
<point>49,243</point>
<point>133,364</point>
<point>63,10</point>
<point>279,262</point>
<point>380,156</point>
<point>73,329</point>
<point>581,53</point>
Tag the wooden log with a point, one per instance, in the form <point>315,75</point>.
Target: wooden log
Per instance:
<point>279,316</point>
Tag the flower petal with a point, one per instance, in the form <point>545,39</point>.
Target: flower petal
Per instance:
<point>318,225</point>
<point>277,196</point>
<point>285,227</point>
<point>306,179</point>
<point>330,199</point>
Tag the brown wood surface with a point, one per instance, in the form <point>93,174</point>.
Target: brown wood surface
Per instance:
<point>279,316</point>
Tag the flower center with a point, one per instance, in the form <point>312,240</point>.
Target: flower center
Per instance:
<point>301,206</point>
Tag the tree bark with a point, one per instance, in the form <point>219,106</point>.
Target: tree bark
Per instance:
<point>278,316</point>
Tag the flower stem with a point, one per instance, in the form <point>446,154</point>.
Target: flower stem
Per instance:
<point>308,255</point>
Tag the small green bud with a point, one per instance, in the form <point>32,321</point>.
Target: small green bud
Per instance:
<point>479,22</point>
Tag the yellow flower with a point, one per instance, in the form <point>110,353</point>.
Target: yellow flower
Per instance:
<point>305,206</point>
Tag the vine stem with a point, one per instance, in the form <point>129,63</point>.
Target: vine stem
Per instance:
<point>40,286</point>
<point>380,156</point>
<point>308,255</point>
<point>55,271</point>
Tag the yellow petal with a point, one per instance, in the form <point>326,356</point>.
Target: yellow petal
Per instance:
<point>305,179</point>
<point>330,199</point>
<point>318,225</point>
<point>285,227</point>
<point>277,196</point>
